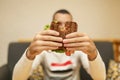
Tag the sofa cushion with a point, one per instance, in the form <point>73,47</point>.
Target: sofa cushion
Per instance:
<point>113,70</point>
<point>4,72</point>
<point>15,51</point>
<point>105,49</point>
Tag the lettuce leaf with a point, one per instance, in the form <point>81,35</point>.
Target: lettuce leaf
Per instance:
<point>46,27</point>
<point>59,50</point>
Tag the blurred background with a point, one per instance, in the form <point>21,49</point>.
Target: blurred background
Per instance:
<point>22,19</point>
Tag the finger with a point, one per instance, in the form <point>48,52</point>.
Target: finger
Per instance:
<point>39,49</point>
<point>49,32</point>
<point>79,44</point>
<point>84,49</point>
<point>46,43</point>
<point>76,39</point>
<point>48,38</point>
<point>75,34</point>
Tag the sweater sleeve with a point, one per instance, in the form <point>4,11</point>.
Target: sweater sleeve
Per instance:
<point>25,67</point>
<point>22,69</point>
<point>97,68</point>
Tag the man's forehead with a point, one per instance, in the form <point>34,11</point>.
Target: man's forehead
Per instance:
<point>63,17</point>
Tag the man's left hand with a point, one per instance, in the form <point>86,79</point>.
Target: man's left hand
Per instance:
<point>80,41</point>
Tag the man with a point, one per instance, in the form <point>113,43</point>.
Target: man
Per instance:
<point>38,53</point>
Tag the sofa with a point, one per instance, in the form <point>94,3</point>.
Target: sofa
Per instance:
<point>16,49</point>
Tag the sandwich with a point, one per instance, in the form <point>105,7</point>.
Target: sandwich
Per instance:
<point>69,27</point>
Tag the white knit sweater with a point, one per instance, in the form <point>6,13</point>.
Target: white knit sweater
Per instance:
<point>58,66</point>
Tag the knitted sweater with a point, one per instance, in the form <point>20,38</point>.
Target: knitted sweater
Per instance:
<point>58,66</point>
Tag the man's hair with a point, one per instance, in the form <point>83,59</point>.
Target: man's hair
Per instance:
<point>62,11</point>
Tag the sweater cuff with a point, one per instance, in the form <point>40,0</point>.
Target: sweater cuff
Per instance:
<point>25,57</point>
<point>98,58</point>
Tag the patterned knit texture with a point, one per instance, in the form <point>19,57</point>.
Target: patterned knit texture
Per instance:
<point>113,71</point>
<point>37,74</point>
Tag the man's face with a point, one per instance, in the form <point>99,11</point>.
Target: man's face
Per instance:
<point>63,18</point>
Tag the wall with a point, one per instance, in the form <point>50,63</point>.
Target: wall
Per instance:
<point>23,18</point>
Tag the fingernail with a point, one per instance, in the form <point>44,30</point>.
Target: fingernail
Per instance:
<point>57,33</point>
<point>64,41</point>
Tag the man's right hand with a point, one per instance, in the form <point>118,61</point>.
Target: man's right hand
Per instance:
<point>44,40</point>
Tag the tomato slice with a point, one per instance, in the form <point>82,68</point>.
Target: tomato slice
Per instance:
<point>67,53</point>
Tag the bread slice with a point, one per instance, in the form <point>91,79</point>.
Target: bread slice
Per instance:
<point>69,27</point>
<point>64,30</point>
